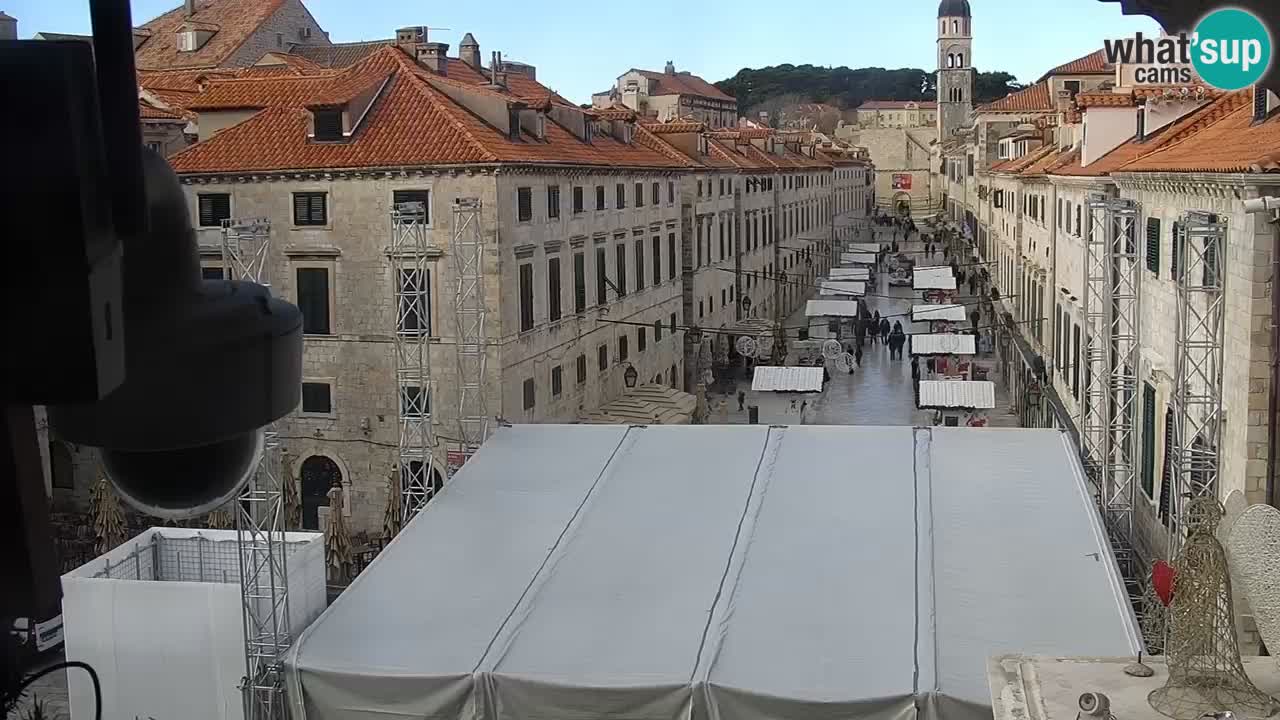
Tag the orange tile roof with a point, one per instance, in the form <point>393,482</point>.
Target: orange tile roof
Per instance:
<point>1105,99</point>
<point>683,83</point>
<point>1047,164</point>
<point>1095,63</point>
<point>674,127</point>
<point>411,123</point>
<point>1033,99</point>
<point>1221,138</point>
<point>234,21</point>
<point>147,111</point>
<point>339,55</point>
<point>1017,165</point>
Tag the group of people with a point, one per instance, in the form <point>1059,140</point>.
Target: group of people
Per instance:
<point>880,331</point>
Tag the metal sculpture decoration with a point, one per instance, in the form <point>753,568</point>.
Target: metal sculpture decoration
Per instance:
<point>1205,671</point>
<point>746,346</point>
<point>1255,559</point>
<point>831,349</point>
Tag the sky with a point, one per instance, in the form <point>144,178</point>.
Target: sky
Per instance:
<point>581,47</point>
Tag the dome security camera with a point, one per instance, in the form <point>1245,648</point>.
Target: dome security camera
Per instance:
<point>208,364</point>
<point>1095,704</point>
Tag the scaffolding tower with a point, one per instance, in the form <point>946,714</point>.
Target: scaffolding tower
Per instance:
<point>1111,364</point>
<point>469,313</point>
<point>264,589</point>
<point>420,474</point>
<point>1198,255</point>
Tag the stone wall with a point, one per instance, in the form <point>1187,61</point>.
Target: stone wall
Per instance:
<point>287,22</point>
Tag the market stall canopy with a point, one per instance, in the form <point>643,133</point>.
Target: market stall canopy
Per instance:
<point>843,287</point>
<point>743,572</point>
<point>934,278</point>
<point>647,405</point>
<point>930,313</point>
<point>858,258</point>
<point>787,379</point>
<point>862,248</point>
<point>971,394</point>
<point>831,308</point>
<point>943,344</point>
<point>854,273</point>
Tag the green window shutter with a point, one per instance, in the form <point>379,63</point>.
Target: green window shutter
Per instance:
<point>1148,439</point>
<point>1174,249</point>
<point>1153,244</point>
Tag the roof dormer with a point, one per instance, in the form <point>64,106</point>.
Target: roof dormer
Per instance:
<point>191,36</point>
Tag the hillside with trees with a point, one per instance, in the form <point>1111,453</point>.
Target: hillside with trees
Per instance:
<point>775,88</point>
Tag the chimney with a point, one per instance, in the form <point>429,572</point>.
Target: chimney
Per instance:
<point>408,39</point>
<point>497,76</point>
<point>670,69</point>
<point>190,6</point>
<point>469,51</point>
<point>1261,103</point>
<point>8,27</point>
<point>434,56</point>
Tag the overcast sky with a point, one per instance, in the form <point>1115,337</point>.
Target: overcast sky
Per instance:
<point>580,47</point>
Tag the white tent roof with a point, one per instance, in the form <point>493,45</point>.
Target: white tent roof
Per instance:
<point>843,287</point>
<point>723,571</point>
<point>853,273</point>
<point>926,313</point>
<point>831,308</point>
<point>862,247</point>
<point>976,394</point>
<point>942,344</point>
<point>860,258</point>
<point>787,379</point>
<point>934,278</point>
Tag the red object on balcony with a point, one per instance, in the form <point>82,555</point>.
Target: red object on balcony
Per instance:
<point>1163,577</point>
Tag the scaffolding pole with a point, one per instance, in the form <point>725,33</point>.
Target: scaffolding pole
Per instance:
<point>1111,364</point>
<point>1199,254</point>
<point>420,474</point>
<point>264,588</point>
<point>469,313</point>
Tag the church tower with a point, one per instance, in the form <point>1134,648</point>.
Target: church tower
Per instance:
<point>956,76</point>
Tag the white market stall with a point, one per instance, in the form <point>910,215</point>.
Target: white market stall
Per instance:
<point>715,571</point>
<point>787,379</point>
<point>938,313</point>
<point>160,619</point>
<point>950,354</point>
<point>831,308</point>
<point>862,247</point>
<point>842,287</point>
<point>958,402</point>
<point>858,258</point>
<point>853,273</point>
<point>934,278</point>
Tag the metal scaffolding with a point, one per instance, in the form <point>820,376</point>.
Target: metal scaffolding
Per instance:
<point>264,588</point>
<point>1109,418</point>
<point>469,313</point>
<point>1199,254</point>
<point>420,473</point>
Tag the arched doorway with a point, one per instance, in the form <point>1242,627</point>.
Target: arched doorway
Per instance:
<point>319,473</point>
<point>902,204</point>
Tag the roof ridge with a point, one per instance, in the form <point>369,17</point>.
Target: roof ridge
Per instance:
<point>1199,120</point>
<point>653,142</point>
<point>443,106</point>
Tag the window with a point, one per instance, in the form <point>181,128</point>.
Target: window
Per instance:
<point>553,202</point>
<point>582,369</point>
<point>697,261</point>
<point>602,358</point>
<point>423,197</point>
<point>656,194</point>
<point>557,380</point>
<point>530,394</point>
<point>723,294</point>
<point>657,260</point>
<point>524,204</point>
<point>699,188</point>
<point>602,282</point>
<point>317,398</point>
<point>621,192</point>
<point>622,349</point>
<point>214,208</point>
<point>553,289</point>
<point>671,192</point>
<point>1153,244</point>
<point>313,300</point>
<point>1075,361</point>
<point>1079,214</point>
<point>1148,439</point>
<point>415,302</point>
<point>579,282</point>
<point>701,310</point>
<point>310,208</point>
<point>414,401</point>
<point>212,272</point>
<point>721,240</point>
<point>599,197</point>
<point>328,124</point>
<point>620,276</point>
<point>1210,265</point>
<point>577,199</point>
<point>1058,215</point>
<point>641,339</point>
<point>1166,474</point>
<point>657,330</point>
<point>639,194</point>
<point>673,323</point>
<point>639,265</point>
<point>526,297</point>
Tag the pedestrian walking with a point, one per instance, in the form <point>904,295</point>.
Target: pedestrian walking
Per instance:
<point>974,316</point>
<point>915,369</point>
<point>973,284</point>
<point>960,277</point>
<point>884,330</point>
<point>875,327</point>
<point>742,398</point>
<point>931,365</point>
<point>857,355</point>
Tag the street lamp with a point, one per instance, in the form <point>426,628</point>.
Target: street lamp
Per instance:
<point>630,375</point>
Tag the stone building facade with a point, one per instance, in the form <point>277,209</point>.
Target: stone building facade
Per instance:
<point>670,95</point>
<point>223,34</point>
<point>904,177</point>
<point>896,114</point>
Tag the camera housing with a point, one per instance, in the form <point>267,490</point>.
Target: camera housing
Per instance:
<point>208,364</point>
<point>1095,704</point>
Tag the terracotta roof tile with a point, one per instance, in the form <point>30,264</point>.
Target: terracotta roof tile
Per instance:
<point>339,55</point>
<point>683,83</point>
<point>1017,165</point>
<point>1095,63</point>
<point>234,21</point>
<point>1033,99</point>
<point>898,104</point>
<point>1176,91</point>
<point>1221,138</point>
<point>674,127</point>
<point>1047,164</point>
<point>147,111</point>
<point>1105,99</point>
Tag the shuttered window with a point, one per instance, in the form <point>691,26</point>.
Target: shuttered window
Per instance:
<point>310,208</point>
<point>553,289</point>
<point>1153,244</point>
<point>526,297</point>
<point>1175,249</point>
<point>313,300</point>
<point>214,208</point>
<point>1148,439</point>
<point>399,197</point>
<point>1166,475</point>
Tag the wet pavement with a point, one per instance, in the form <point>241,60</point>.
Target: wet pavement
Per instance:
<point>879,392</point>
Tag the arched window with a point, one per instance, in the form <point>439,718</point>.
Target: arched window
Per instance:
<point>417,475</point>
<point>951,60</point>
<point>959,94</point>
<point>319,473</point>
<point>955,26</point>
<point>959,59</point>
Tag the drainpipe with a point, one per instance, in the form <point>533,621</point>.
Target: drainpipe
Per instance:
<point>1271,205</point>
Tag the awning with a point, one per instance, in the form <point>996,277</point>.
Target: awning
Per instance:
<point>843,287</point>
<point>862,247</point>
<point>831,308</point>
<point>975,394</point>
<point>942,344</point>
<point>858,258</point>
<point>750,326</point>
<point>787,379</point>
<point>647,405</point>
<point>934,278</point>
<point>854,273</point>
<point>928,313</point>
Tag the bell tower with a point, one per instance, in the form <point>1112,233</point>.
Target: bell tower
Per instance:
<point>956,76</point>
